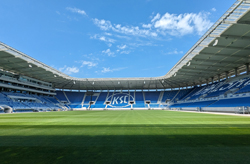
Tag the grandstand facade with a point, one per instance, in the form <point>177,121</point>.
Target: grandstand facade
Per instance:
<point>212,76</point>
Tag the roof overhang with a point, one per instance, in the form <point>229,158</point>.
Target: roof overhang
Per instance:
<point>222,49</point>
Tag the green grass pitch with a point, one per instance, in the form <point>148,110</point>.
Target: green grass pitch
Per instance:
<point>154,136</point>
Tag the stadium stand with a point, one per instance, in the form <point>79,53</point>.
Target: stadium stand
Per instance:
<point>61,96</point>
<point>139,100</point>
<point>169,95</point>
<point>231,93</point>
<point>24,102</point>
<point>245,88</point>
<point>118,100</point>
<point>100,102</point>
<point>233,102</point>
<point>75,98</point>
<point>152,96</point>
<point>194,104</point>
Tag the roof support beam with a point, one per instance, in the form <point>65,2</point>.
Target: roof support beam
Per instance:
<point>219,62</point>
<point>226,47</point>
<point>225,55</point>
<point>196,70</point>
<point>205,65</point>
<point>33,71</point>
<point>8,57</point>
<point>247,23</point>
<point>231,37</point>
<point>167,81</point>
<point>184,76</point>
<point>12,63</point>
<point>105,85</point>
<point>193,76</point>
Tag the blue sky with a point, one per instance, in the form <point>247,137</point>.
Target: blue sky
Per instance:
<point>111,38</point>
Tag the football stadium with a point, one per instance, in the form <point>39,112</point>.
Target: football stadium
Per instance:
<point>198,112</point>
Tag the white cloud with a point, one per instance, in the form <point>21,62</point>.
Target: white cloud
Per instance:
<point>142,44</point>
<point>146,25</point>
<point>213,9</point>
<point>103,24</point>
<point>128,30</point>
<point>183,24</point>
<point>123,37</point>
<point>103,38</point>
<point>107,69</point>
<point>171,24</point>
<point>89,64</point>
<point>69,70</point>
<point>122,46</point>
<point>89,56</point>
<point>156,17</point>
<point>76,10</point>
<point>109,34</point>
<point>108,52</point>
<point>175,52</point>
<point>125,52</point>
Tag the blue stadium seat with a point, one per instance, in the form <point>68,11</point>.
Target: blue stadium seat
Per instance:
<point>233,102</point>
<point>152,96</point>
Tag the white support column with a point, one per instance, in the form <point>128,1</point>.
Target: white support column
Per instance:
<point>247,68</point>
<point>236,72</point>
<point>226,74</point>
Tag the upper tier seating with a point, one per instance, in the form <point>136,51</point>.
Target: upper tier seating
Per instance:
<point>233,102</point>
<point>227,86</point>
<point>22,102</point>
<point>182,94</point>
<point>245,88</point>
<point>169,95</point>
<point>199,91</point>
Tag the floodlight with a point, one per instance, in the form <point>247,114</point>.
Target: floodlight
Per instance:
<point>216,42</point>
<point>188,63</point>
<point>174,74</point>
<point>55,76</point>
<point>30,65</point>
<point>74,82</point>
<point>93,83</point>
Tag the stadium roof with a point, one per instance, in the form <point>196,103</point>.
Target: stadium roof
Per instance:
<point>222,49</point>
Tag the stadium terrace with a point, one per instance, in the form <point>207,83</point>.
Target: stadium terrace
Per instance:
<point>212,76</point>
